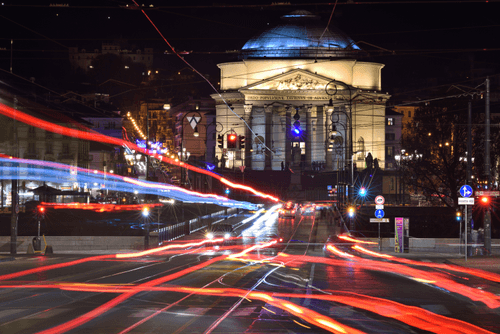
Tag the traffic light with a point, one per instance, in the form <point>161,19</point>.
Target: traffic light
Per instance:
<point>484,200</point>
<point>231,140</point>
<point>362,191</point>
<point>41,212</point>
<point>458,215</point>
<point>220,141</point>
<point>331,141</point>
<point>351,211</point>
<point>145,211</point>
<point>242,142</point>
<point>296,130</point>
<point>227,191</point>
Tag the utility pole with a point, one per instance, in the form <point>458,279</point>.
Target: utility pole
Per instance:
<point>487,215</point>
<point>147,140</point>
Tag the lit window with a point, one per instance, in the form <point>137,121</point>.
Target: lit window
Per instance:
<point>390,121</point>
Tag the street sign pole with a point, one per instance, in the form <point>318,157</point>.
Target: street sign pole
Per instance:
<point>379,240</point>
<point>379,213</point>
<point>465,228</point>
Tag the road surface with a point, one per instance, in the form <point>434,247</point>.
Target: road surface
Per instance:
<point>273,278</point>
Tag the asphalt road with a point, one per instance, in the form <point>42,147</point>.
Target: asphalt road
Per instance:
<point>255,284</point>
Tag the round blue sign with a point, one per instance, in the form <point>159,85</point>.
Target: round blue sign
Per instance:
<point>379,213</point>
<point>466,191</point>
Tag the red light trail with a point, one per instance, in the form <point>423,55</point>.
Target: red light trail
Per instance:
<point>410,315</point>
<point>51,127</point>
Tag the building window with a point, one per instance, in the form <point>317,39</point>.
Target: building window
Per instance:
<point>390,151</point>
<point>65,148</point>
<point>409,113</point>
<point>390,136</point>
<point>390,121</point>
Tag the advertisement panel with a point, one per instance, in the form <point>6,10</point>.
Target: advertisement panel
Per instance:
<point>398,235</point>
<point>406,235</point>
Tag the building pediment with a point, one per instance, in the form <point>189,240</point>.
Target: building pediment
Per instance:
<point>294,80</point>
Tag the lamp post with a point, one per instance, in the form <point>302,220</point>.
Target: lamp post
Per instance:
<point>145,214</point>
<point>400,162</point>
<point>331,89</point>
<point>335,139</point>
<point>184,157</point>
<point>193,121</point>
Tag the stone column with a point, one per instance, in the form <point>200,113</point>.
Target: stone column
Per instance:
<point>328,128</point>
<point>309,135</point>
<point>248,135</point>
<point>269,138</point>
<point>288,142</point>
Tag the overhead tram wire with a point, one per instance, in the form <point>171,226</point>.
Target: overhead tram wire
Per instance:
<point>201,75</point>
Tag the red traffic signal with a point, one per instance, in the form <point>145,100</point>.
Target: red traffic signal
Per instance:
<point>40,212</point>
<point>484,200</point>
<point>231,140</point>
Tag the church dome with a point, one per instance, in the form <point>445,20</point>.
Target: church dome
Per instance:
<point>300,35</point>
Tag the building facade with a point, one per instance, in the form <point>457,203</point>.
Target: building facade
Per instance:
<point>301,99</point>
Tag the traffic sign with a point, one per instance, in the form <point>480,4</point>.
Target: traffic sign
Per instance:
<point>466,201</point>
<point>379,213</point>
<point>379,207</point>
<point>488,193</point>
<point>380,200</point>
<point>466,191</point>
<point>379,220</point>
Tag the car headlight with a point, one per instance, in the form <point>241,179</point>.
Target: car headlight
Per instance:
<point>227,236</point>
<point>210,235</point>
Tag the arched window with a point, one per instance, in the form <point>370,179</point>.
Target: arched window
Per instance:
<point>361,148</point>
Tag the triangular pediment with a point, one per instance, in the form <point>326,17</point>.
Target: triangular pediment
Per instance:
<point>294,80</point>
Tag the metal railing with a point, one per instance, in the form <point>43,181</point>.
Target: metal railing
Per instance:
<point>178,230</point>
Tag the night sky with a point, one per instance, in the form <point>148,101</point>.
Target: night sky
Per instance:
<point>415,39</point>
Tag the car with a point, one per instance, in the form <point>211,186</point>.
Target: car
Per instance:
<point>308,209</point>
<point>288,210</point>
<point>224,231</point>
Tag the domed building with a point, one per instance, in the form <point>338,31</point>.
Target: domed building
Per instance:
<point>293,97</point>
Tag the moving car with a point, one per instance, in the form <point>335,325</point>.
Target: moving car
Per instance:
<point>288,210</point>
<point>308,209</point>
<point>224,231</point>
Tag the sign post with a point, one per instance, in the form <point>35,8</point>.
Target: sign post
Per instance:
<point>465,192</point>
<point>379,214</point>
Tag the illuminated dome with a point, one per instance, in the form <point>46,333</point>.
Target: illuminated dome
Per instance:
<point>301,35</point>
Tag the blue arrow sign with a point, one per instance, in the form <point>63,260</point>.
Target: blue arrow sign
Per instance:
<point>465,191</point>
<point>379,214</point>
